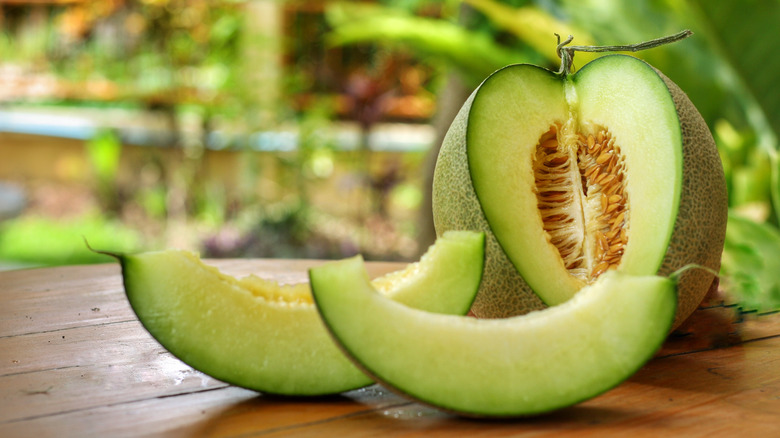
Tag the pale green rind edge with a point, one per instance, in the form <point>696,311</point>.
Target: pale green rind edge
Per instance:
<point>703,210</point>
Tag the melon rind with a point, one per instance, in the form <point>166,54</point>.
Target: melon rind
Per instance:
<point>697,237</point>
<point>700,228</point>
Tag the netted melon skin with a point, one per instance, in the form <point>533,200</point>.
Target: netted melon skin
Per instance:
<point>700,227</point>
<point>503,292</point>
<point>697,238</point>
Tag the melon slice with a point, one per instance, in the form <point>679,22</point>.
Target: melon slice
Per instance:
<point>516,366</point>
<point>257,334</point>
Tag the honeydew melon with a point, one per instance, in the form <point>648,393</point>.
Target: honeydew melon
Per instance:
<point>574,174</point>
<point>260,335</point>
<point>518,366</point>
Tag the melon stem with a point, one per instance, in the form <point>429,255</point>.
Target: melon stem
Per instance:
<point>566,52</point>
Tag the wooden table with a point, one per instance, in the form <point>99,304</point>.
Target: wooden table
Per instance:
<point>75,362</point>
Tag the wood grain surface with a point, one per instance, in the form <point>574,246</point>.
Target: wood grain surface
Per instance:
<point>75,362</point>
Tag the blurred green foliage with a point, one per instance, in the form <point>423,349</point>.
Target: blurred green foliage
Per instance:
<point>22,239</point>
<point>475,54</point>
<point>750,265</point>
<point>103,153</point>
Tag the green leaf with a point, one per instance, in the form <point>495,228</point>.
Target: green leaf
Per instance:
<point>39,240</point>
<point>535,27</point>
<point>750,267</point>
<point>474,53</point>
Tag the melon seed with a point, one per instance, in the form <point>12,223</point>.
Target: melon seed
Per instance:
<point>564,200</point>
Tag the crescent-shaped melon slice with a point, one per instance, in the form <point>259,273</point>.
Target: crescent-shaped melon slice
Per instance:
<point>517,366</point>
<point>257,334</point>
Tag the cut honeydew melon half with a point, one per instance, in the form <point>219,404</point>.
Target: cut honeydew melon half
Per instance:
<point>516,366</point>
<point>259,335</point>
<point>572,175</point>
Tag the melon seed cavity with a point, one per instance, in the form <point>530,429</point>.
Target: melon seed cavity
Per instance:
<point>580,189</point>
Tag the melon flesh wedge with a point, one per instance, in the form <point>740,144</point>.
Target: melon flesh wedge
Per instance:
<point>259,335</point>
<point>516,366</point>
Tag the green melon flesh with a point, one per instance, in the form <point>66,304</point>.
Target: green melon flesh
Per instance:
<point>517,366</point>
<point>484,179</point>
<point>255,334</point>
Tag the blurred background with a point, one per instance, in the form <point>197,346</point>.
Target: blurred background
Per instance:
<point>272,128</point>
